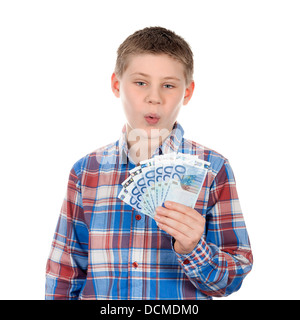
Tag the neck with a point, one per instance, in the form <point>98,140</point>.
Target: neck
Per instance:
<point>142,145</point>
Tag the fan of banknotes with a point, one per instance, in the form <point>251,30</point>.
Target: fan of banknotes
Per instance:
<point>175,177</point>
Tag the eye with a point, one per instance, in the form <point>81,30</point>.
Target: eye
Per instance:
<point>168,86</point>
<point>140,83</point>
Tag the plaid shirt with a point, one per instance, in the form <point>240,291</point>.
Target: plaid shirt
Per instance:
<point>104,249</point>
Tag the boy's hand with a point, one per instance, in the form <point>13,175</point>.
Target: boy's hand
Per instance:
<point>183,223</point>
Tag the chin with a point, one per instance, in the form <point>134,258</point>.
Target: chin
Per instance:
<point>147,131</point>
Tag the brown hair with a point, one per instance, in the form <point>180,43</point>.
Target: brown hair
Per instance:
<point>156,40</point>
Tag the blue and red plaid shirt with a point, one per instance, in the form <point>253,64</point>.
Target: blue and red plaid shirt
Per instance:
<point>104,249</point>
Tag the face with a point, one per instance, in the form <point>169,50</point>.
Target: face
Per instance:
<point>152,89</point>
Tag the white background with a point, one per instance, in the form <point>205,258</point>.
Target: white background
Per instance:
<point>56,59</point>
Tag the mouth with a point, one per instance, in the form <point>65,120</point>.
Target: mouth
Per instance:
<point>152,118</point>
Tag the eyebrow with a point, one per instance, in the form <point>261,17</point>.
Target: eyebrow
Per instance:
<point>148,76</point>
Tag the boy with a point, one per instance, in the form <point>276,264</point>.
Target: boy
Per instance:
<point>105,249</point>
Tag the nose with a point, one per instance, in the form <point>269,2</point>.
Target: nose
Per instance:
<point>154,97</point>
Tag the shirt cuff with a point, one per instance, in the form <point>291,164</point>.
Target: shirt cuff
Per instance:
<point>196,258</point>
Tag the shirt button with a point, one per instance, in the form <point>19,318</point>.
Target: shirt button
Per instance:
<point>186,261</point>
<point>138,217</point>
<point>135,264</point>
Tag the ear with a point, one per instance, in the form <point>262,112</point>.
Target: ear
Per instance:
<point>115,85</point>
<point>188,93</point>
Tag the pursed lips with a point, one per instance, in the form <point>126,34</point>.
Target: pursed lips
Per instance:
<point>152,118</point>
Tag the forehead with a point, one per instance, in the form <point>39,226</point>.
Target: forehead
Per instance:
<point>155,65</point>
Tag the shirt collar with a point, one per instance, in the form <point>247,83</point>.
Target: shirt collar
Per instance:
<point>171,144</point>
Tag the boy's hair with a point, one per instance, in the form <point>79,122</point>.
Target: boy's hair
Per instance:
<point>156,40</point>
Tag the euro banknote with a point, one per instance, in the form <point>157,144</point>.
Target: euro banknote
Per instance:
<point>175,177</point>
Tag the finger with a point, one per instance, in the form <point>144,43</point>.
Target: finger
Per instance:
<point>179,235</point>
<point>180,208</point>
<point>194,223</point>
<point>176,222</point>
<point>164,215</point>
<point>187,211</point>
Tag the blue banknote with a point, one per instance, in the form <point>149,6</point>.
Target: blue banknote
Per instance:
<point>174,176</point>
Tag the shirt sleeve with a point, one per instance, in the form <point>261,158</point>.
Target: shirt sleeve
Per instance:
<point>67,263</point>
<point>223,257</point>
